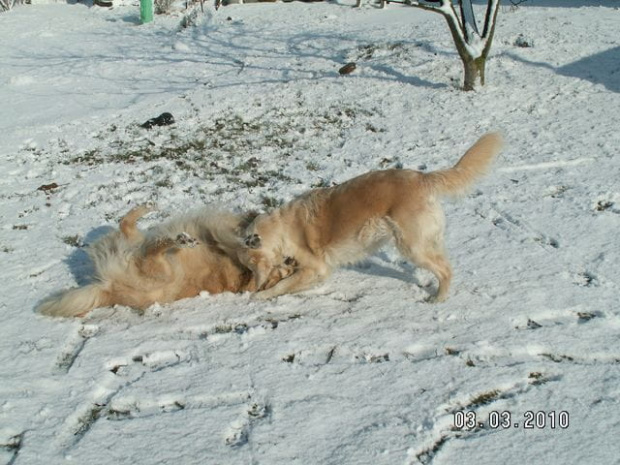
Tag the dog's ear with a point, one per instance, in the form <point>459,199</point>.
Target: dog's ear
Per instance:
<point>252,241</point>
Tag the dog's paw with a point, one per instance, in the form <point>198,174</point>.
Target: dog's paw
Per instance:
<point>185,240</point>
<point>253,241</point>
<point>142,209</point>
<point>261,296</point>
<point>150,206</point>
<point>435,299</point>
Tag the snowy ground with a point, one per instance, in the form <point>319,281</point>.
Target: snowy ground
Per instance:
<point>360,370</point>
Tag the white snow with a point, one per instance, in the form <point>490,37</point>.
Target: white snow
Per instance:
<point>360,370</point>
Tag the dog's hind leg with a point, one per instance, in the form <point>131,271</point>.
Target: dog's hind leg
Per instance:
<point>421,242</point>
<point>153,261</point>
<point>437,263</point>
<point>128,226</point>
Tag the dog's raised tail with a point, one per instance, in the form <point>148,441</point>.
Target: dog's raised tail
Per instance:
<point>473,165</point>
<point>75,302</point>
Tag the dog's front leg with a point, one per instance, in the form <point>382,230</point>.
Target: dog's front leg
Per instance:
<point>280,272</point>
<point>128,226</point>
<point>302,279</point>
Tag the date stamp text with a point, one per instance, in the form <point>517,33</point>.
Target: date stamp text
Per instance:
<point>470,420</point>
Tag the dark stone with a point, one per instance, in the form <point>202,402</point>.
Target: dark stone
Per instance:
<point>165,119</point>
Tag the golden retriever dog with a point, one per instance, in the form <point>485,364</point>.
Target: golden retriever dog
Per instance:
<point>181,258</point>
<point>331,227</point>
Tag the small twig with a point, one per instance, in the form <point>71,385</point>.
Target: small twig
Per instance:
<point>330,355</point>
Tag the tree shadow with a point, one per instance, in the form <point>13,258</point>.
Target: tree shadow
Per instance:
<point>132,19</point>
<point>561,3</point>
<point>253,52</point>
<point>234,55</point>
<point>600,68</point>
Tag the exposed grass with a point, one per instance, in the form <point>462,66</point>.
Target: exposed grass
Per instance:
<point>226,137</point>
<point>312,166</point>
<point>271,203</point>
<point>451,351</point>
<point>557,358</point>
<point>536,378</point>
<point>585,316</point>
<point>73,241</point>
<point>88,419</point>
<point>484,398</point>
<point>427,455</point>
<point>253,151</point>
<point>239,328</point>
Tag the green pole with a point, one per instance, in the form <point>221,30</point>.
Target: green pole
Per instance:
<point>146,11</point>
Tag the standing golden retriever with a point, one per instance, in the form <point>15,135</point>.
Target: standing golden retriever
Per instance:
<point>327,228</point>
<point>181,258</point>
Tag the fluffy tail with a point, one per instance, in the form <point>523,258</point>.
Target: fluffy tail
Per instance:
<point>75,302</point>
<point>473,165</point>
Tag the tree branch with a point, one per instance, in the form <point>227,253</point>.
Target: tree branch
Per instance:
<point>490,17</point>
<point>469,20</point>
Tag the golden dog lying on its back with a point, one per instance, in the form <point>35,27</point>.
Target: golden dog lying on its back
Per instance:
<point>181,258</point>
<point>327,228</point>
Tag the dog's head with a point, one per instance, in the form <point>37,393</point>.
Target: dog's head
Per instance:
<point>260,250</point>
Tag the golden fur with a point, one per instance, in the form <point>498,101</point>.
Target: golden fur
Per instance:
<point>327,228</point>
<point>179,259</point>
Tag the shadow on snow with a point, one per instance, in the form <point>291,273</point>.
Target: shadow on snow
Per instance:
<point>600,68</point>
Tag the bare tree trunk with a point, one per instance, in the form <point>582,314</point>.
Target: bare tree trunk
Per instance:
<point>474,72</point>
<point>472,47</point>
<point>6,5</point>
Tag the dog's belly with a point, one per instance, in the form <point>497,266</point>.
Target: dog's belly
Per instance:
<point>366,240</point>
